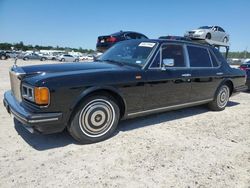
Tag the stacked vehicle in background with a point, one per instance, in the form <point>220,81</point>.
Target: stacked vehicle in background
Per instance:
<point>215,33</point>
<point>106,41</point>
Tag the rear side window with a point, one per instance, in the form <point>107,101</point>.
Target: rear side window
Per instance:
<point>219,55</point>
<point>198,57</point>
<point>220,29</point>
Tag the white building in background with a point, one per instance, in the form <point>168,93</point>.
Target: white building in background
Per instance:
<point>50,52</point>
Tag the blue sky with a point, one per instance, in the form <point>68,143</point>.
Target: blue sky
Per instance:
<point>77,23</point>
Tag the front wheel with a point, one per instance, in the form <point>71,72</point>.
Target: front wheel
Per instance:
<point>221,99</point>
<point>95,120</point>
<point>3,57</point>
<point>208,36</point>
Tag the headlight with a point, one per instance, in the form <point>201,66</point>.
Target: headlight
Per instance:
<point>200,32</point>
<point>38,95</point>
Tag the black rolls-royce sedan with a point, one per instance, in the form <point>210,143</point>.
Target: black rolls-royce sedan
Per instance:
<point>133,78</point>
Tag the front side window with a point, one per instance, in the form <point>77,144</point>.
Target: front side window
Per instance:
<point>198,57</point>
<point>172,56</point>
<point>130,52</point>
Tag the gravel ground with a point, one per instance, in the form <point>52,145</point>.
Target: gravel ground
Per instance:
<point>192,147</point>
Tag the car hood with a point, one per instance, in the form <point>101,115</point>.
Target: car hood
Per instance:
<point>66,67</point>
<point>198,30</point>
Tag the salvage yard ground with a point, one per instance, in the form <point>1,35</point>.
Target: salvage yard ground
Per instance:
<point>192,147</point>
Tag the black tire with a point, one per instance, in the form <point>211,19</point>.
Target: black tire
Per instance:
<point>208,36</point>
<point>221,98</point>
<point>95,119</point>
<point>43,59</point>
<point>225,40</point>
<point>62,59</point>
<point>3,57</point>
<point>25,58</point>
<point>76,60</point>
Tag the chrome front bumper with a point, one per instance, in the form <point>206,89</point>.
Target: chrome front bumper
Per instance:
<point>26,117</point>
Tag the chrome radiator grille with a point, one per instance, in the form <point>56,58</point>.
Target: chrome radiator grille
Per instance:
<point>15,85</point>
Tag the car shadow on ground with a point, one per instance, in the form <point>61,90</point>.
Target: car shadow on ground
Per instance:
<point>42,142</point>
<point>149,120</point>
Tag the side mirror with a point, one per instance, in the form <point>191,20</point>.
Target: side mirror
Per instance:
<point>168,62</point>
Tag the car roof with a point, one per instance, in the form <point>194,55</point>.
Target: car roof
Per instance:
<point>124,32</point>
<point>180,41</point>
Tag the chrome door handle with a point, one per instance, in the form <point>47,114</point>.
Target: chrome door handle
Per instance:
<point>186,75</point>
<point>219,73</point>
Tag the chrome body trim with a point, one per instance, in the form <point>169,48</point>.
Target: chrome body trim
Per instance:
<point>170,107</point>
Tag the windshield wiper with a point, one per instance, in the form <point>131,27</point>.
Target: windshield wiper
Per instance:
<point>113,61</point>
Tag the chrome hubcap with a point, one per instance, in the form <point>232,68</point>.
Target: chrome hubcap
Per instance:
<point>223,97</point>
<point>96,118</point>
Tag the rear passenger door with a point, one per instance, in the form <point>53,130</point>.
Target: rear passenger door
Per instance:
<point>206,73</point>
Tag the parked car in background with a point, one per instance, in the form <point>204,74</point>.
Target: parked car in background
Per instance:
<point>133,78</point>
<point>67,57</point>
<point>32,56</point>
<point>3,55</point>
<point>215,33</point>
<point>12,54</point>
<point>106,41</point>
<point>50,56</point>
<point>86,57</point>
<point>246,67</point>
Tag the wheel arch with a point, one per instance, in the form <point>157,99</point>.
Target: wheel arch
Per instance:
<point>106,91</point>
<point>229,83</point>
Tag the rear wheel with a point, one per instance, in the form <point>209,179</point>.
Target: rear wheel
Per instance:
<point>62,59</point>
<point>221,99</point>
<point>95,120</point>
<point>43,59</point>
<point>25,58</point>
<point>225,40</point>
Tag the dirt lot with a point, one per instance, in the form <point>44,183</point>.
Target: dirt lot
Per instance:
<point>193,147</point>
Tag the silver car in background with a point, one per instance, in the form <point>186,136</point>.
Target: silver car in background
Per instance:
<point>215,33</point>
<point>67,57</point>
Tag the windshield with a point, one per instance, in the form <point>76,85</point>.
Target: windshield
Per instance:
<point>205,27</point>
<point>130,52</point>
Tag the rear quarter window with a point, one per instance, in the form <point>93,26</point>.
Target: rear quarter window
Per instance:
<point>214,60</point>
<point>198,57</point>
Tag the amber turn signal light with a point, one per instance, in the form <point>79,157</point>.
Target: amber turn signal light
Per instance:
<point>42,95</point>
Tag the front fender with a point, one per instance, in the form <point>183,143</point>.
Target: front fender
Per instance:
<point>93,89</point>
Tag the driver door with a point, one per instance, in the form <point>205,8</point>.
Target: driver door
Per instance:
<point>168,78</point>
